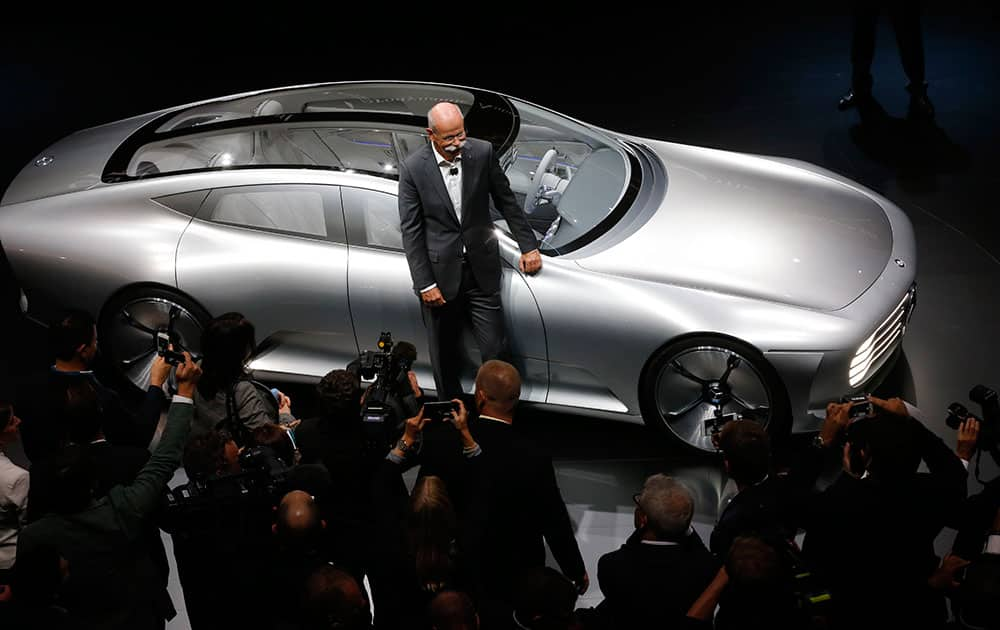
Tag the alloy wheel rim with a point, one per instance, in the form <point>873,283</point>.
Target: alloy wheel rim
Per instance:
<point>133,334</point>
<point>696,382</point>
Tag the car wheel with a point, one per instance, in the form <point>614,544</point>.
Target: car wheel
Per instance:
<point>129,325</point>
<point>692,386</point>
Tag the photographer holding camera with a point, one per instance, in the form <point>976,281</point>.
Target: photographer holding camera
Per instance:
<point>972,578</point>
<point>114,582</point>
<point>394,395</point>
<point>220,524</point>
<point>425,543</point>
<point>870,534</point>
<point>227,399</point>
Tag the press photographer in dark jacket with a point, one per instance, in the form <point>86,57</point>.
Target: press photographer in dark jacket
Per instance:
<point>870,535</point>
<point>73,339</point>
<point>113,582</point>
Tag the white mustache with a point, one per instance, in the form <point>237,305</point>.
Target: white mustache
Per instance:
<point>453,148</point>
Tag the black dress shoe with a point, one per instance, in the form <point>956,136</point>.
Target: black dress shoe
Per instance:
<point>853,99</point>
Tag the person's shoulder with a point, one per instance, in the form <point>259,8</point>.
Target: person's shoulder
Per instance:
<point>483,146</point>
<point>124,451</point>
<point>413,159</point>
<point>247,390</point>
<point>615,560</point>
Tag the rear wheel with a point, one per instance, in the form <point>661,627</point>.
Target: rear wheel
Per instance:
<point>131,321</point>
<point>692,386</point>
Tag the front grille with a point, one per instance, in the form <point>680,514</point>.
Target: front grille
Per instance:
<point>881,343</point>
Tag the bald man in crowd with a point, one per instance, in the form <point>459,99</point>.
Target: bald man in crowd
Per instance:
<point>451,247</point>
<point>521,501</point>
<point>299,551</point>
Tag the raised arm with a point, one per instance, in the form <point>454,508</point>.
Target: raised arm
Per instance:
<point>135,502</point>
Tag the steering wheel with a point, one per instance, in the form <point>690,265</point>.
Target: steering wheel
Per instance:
<point>535,190</point>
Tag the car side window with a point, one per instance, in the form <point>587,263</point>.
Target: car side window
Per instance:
<point>372,218</point>
<point>312,211</point>
<point>365,150</point>
<point>409,143</point>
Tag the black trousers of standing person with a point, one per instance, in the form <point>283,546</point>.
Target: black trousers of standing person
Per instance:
<point>905,18</point>
<point>445,325</point>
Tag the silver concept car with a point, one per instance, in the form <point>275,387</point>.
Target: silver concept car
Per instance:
<point>681,285</point>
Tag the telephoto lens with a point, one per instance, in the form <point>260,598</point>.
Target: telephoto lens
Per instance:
<point>983,395</point>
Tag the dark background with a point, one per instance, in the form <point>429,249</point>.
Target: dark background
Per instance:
<point>756,80</point>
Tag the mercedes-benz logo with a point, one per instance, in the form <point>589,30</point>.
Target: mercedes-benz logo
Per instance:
<point>900,263</point>
<point>45,160</point>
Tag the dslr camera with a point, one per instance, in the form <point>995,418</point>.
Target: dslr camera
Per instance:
<point>861,406</point>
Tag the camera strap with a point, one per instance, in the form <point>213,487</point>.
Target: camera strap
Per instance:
<point>232,423</point>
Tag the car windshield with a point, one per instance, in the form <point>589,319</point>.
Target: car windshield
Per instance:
<point>569,178</point>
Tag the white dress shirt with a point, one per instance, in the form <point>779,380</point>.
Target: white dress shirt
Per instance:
<point>453,184</point>
<point>13,506</point>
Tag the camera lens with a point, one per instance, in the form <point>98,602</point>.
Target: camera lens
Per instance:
<point>982,395</point>
<point>957,413</point>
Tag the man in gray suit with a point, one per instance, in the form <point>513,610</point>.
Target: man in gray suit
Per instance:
<point>444,213</point>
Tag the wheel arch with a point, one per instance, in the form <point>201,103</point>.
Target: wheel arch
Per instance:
<point>643,374</point>
<point>138,287</point>
<point>777,429</point>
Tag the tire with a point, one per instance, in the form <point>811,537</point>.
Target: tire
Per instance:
<point>681,388</point>
<point>129,324</point>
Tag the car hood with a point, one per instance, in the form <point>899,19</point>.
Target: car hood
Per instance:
<point>756,227</point>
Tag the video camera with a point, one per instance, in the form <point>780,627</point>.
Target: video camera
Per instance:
<point>989,429</point>
<point>260,484</point>
<point>389,400</point>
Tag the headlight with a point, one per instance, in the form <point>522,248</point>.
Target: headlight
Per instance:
<point>883,341</point>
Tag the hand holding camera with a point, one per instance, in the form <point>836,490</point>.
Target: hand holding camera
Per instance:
<point>838,417</point>
<point>414,427</point>
<point>165,349</point>
<point>188,373</point>
<point>893,405</point>
<point>159,372</point>
<point>968,438</point>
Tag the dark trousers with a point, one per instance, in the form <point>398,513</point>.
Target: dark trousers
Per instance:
<point>905,18</point>
<point>445,326</point>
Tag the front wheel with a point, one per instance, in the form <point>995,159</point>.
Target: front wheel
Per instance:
<point>131,321</point>
<point>692,386</point>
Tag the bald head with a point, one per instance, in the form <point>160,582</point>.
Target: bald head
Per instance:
<point>444,115</point>
<point>498,387</point>
<point>334,597</point>
<point>299,522</point>
<point>446,130</point>
<point>451,610</point>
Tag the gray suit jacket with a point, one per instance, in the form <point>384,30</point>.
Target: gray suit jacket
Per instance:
<point>432,234</point>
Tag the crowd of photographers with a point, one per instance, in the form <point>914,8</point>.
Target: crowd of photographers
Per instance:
<point>283,522</point>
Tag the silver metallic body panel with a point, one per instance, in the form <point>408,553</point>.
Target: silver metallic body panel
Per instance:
<point>790,258</point>
<point>77,162</point>
<point>738,224</point>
